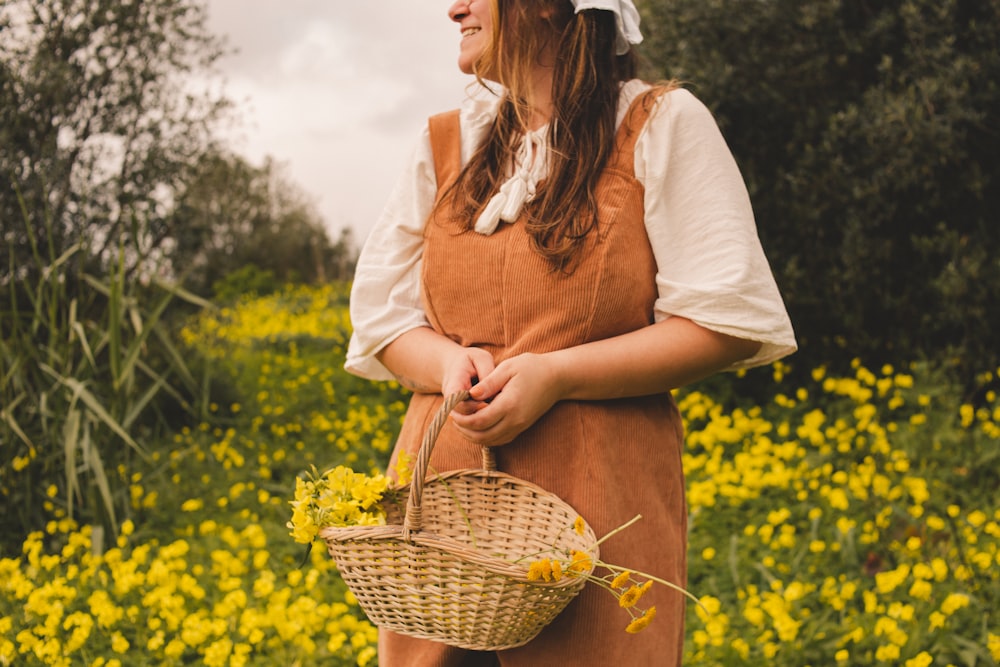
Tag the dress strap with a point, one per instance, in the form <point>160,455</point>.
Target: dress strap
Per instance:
<point>635,120</point>
<point>446,147</point>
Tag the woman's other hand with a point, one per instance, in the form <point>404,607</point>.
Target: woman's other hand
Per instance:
<point>507,401</point>
<point>463,371</point>
<point>424,361</point>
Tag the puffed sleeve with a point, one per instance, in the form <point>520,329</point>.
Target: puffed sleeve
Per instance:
<point>385,296</point>
<point>711,267</point>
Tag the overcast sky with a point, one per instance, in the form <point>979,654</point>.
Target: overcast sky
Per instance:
<point>337,91</point>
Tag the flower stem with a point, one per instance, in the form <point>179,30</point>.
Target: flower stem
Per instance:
<point>675,587</point>
<point>619,528</point>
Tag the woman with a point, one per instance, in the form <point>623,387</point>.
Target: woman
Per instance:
<point>572,245</point>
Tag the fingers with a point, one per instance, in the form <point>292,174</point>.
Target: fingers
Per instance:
<point>497,422</point>
<point>506,401</point>
<point>482,362</point>
<point>469,407</point>
<point>488,430</point>
<point>491,384</point>
<point>464,370</point>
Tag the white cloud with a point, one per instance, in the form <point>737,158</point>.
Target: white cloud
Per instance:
<point>338,91</point>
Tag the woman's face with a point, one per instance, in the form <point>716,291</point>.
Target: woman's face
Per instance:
<point>476,22</point>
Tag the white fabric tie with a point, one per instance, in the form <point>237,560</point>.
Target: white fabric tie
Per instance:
<point>530,166</point>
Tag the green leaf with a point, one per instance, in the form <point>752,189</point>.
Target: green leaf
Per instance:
<point>7,412</point>
<point>92,459</point>
<point>71,437</point>
<point>81,392</point>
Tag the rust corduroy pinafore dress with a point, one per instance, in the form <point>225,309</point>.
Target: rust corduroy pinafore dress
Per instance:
<point>610,460</point>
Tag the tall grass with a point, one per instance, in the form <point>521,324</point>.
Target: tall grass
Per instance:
<point>87,373</point>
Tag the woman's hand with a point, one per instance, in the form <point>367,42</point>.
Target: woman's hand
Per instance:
<point>651,360</point>
<point>462,371</point>
<point>424,361</point>
<point>507,401</point>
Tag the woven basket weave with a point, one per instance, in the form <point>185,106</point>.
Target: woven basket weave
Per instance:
<point>452,565</point>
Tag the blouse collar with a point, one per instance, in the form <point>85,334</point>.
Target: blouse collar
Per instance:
<point>531,160</point>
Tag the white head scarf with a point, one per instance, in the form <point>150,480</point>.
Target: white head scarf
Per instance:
<point>625,13</point>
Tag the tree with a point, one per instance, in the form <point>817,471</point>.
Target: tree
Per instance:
<point>233,214</point>
<point>99,122</point>
<point>864,130</point>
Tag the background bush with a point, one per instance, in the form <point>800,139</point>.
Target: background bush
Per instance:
<point>115,198</point>
<point>864,131</point>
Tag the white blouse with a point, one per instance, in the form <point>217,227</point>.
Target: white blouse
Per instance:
<point>711,268</point>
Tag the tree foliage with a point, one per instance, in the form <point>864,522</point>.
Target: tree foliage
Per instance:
<point>865,131</point>
<point>232,215</point>
<point>100,122</point>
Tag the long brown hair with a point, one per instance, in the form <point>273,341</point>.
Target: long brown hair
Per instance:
<point>581,131</point>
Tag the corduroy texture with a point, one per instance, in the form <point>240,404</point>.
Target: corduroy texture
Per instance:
<point>610,460</point>
<point>452,567</point>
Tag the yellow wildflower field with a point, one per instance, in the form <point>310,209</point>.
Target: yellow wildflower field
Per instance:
<point>853,520</point>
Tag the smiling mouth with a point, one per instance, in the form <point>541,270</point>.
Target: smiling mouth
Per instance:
<point>468,32</point>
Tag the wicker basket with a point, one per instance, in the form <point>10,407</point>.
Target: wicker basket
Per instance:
<point>452,565</point>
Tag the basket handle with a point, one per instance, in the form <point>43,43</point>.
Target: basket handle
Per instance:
<point>414,512</point>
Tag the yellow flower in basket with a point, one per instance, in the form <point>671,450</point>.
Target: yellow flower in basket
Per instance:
<point>338,497</point>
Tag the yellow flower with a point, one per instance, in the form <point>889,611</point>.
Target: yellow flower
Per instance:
<point>629,597</point>
<point>303,528</point>
<point>118,643</point>
<point>192,505</point>
<point>403,472</point>
<point>540,570</point>
<point>366,655</point>
<point>581,562</point>
<point>887,653</point>
<point>632,595</point>
<point>993,642</point>
<point>888,581</point>
<point>621,580</point>
<point>921,590</point>
<point>923,659</point>
<point>340,497</point>
<point>639,624</point>
<point>579,525</point>
<point>953,603</point>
